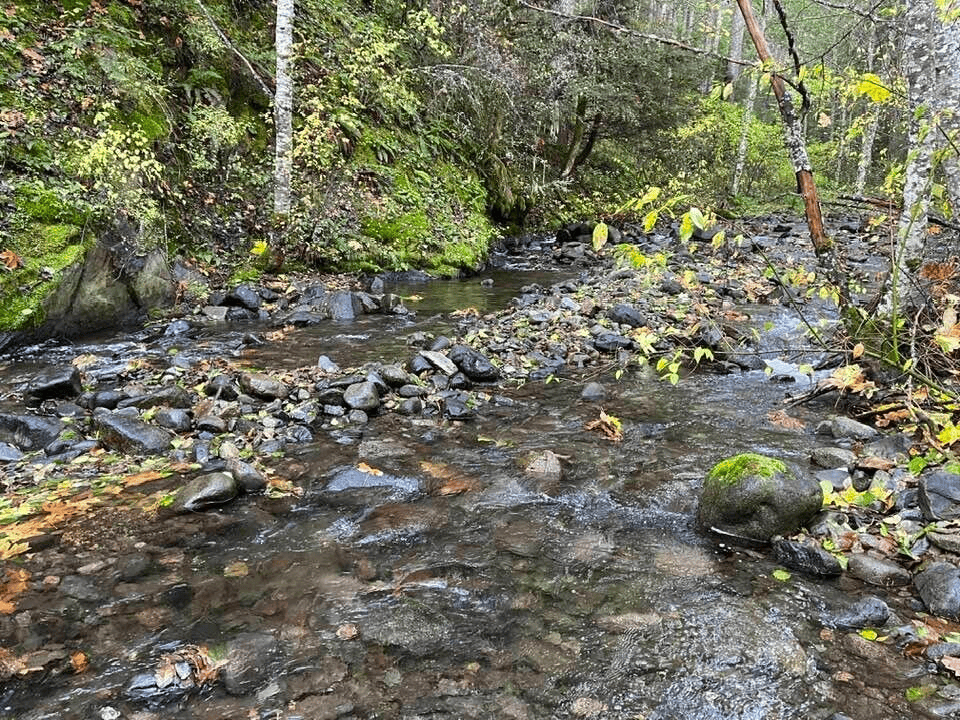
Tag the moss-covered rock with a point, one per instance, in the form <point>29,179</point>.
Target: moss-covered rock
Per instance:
<point>755,497</point>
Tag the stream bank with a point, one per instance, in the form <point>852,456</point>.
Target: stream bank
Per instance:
<point>430,545</point>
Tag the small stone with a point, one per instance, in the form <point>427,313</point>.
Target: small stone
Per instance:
<point>228,451</point>
<point>877,571</point>
<point>348,631</point>
<point>844,427</point>
<point>211,423</point>
<point>248,478</point>
<point>327,365</point>
<point>833,457</point>
<point>205,491</point>
<point>545,467</point>
<point>440,361</point>
<point>263,386</point>
<point>362,396</point>
<point>593,392</point>
<point>938,495</point>
<point>587,707</point>
<point>869,611</point>
<point>939,587</point>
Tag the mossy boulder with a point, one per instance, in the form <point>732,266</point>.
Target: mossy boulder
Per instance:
<point>753,497</point>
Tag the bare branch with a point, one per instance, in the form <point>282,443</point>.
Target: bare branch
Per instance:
<point>233,48</point>
<point>635,33</point>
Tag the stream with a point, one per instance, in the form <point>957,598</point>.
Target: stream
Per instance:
<point>424,573</point>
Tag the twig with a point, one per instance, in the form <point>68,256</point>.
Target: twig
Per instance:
<point>226,41</point>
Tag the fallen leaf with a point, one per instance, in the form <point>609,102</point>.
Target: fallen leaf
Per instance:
<point>610,426</point>
<point>10,260</point>
<point>781,419</point>
<point>364,468</point>
<point>952,664</point>
<point>13,584</point>
<point>143,477</point>
<point>236,569</point>
<point>875,463</point>
<point>79,662</point>
<point>451,480</point>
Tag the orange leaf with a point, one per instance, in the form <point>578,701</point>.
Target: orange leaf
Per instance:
<point>14,584</point>
<point>858,350</point>
<point>783,420</point>
<point>78,661</point>
<point>10,260</point>
<point>364,468</point>
<point>142,477</point>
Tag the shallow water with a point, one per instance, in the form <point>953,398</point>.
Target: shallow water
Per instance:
<point>439,580</point>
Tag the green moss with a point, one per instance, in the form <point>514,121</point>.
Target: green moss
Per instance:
<point>46,250</point>
<point>732,470</point>
<point>243,275</point>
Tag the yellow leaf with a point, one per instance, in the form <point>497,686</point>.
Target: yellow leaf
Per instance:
<point>364,468</point>
<point>236,569</point>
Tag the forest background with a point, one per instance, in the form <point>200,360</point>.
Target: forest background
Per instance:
<point>422,132</point>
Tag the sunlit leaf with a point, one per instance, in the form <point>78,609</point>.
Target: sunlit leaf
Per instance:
<point>781,575</point>
<point>600,235</point>
<point>872,87</point>
<point>236,569</point>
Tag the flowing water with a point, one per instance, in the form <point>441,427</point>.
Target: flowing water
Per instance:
<point>439,580</point>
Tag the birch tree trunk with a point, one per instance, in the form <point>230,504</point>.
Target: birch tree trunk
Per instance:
<point>736,46</point>
<point>793,137</point>
<point>744,145</point>
<point>283,109</point>
<point>870,131</point>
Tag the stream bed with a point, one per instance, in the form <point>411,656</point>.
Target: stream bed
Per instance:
<point>425,572</point>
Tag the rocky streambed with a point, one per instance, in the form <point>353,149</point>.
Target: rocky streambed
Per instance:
<point>305,499</point>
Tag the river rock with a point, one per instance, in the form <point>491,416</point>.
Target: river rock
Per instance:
<point>211,423</point>
<point>327,365</point>
<point>176,419</point>
<point>753,497</point>
<point>171,396</point>
<point>832,457</point>
<point>473,364</point>
<point>28,432</point>
<point>249,656</point>
<point>263,386</point>
<point>844,427</point>
<point>456,409</point>
<point>221,386</point>
<point>611,342</point>
<point>544,467</point>
<point>8,453</point>
<point>411,406</point>
<point>243,296</point>
<point>624,314</point>
<point>203,492</point>
<point>55,382</point>
<point>362,396</point>
<point>247,477</point>
<point>593,392</point>
<point>130,435</point>
<point>869,611</point>
<point>80,587</point>
<point>418,365</point>
<point>343,306</point>
<point>808,557</point>
<point>939,587</point>
<point>877,571</point>
<point>938,495</point>
<point>440,361</point>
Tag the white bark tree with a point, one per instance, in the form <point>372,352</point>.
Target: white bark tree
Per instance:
<point>932,69</point>
<point>283,109</point>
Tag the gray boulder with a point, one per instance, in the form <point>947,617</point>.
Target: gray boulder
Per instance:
<point>362,396</point>
<point>131,436</point>
<point>938,495</point>
<point>205,491</point>
<point>473,364</point>
<point>753,497</point>
<point>627,315</point>
<point>263,386</point>
<point>55,382</point>
<point>28,432</point>
<point>939,587</point>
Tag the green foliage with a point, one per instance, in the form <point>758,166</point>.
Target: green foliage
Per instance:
<point>734,469</point>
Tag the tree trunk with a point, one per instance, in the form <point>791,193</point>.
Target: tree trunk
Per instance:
<point>793,137</point>
<point>736,47</point>
<point>870,131</point>
<point>579,125</point>
<point>744,144</point>
<point>283,109</point>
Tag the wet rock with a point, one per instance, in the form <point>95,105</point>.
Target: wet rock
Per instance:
<point>129,435</point>
<point>939,587</point>
<point>627,315</point>
<point>343,306</point>
<point>415,630</point>
<point>807,557</point>
<point>611,342</point>
<point>327,365</point>
<point>593,392</point>
<point>838,477</point>
<point>55,382</point>
<point>263,386</point>
<point>177,596</point>
<point>544,467</point>
<point>411,406</point>
<point>357,417</point>
<point>8,453</point>
<point>394,375</point>
<point>108,399</point>
<point>215,312</point>
<point>409,391</point>
<point>249,656</point>
<point>440,344</point>
<point>376,449</point>
<point>419,364</point>
<point>877,571</point>
<point>243,296</point>
<point>867,612</point>
<point>80,587</point>
<point>890,447</point>
<point>457,409</point>
<point>440,361</point>
<point>754,498</point>
<point>177,327</point>
<point>247,477</point>
<point>132,567</point>
<point>458,381</point>
<point>211,424</point>
<point>176,419</point>
<point>172,396</point>
<point>832,457</point>
<point>945,540</point>
<point>938,495</point>
<point>362,396</point>
<point>203,492</point>
<point>221,386</point>
<point>28,432</point>
<point>473,364</point>
<point>844,427</point>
